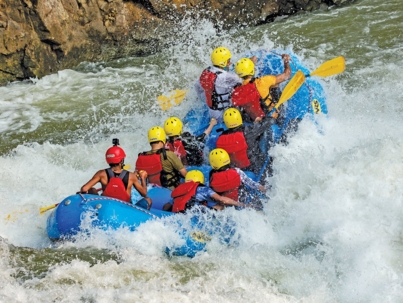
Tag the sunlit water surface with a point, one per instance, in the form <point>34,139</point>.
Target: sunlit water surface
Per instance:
<point>331,232</point>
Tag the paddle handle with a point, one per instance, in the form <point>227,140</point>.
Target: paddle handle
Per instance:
<point>44,209</point>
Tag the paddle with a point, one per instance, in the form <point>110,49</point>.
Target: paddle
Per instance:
<point>329,68</point>
<point>291,88</point>
<point>174,97</point>
<point>44,209</point>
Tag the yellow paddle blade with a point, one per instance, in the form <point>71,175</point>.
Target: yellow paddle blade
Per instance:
<point>164,102</point>
<point>330,68</point>
<point>126,167</point>
<point>179,96</point>
<point>46,208</point>
<point>174,97</point>
<point>291,88</point>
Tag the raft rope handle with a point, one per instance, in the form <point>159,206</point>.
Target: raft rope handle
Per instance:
<point>84,199</point>
<point>117,200</point>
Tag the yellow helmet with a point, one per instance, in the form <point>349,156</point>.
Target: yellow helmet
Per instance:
<point>195,176</point>
<point>232,118</point>
<point>173,126</point>
<point>218,158</point>
<point>245,67</point>
<point>220,56</point>
<point>156,134</point>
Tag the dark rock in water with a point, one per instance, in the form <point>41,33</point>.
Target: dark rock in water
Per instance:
<point>38,38</point>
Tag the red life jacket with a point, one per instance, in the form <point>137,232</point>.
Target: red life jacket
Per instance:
<point>151,163</point>
<point>214,100</point>
<point>177,147</point>
<point>183,194</point>
<point>226,183</point>
<point>235,145</point>
<point>248,98</point>
<point>116,187</point>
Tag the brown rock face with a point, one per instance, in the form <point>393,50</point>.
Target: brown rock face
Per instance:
<point>40,37</point>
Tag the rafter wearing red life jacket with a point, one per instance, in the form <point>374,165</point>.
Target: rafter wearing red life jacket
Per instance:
<point>177,147</point>
<point>187,148</point>
<point>226,182</point>
<point>151,163</point>
<point>214,100</point>
<point>117,185</point>
<point>234,143</point>
<point>247,97</point>
<point>182,195</point>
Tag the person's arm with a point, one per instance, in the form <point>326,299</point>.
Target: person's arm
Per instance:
<point>183,172</point>
<point>226,201</point>
<point>249,182</point>
<point>176,163</point>
<point>95,179</point>
<point>254,59</point>
<point>210,127</point>
<point>287,70</point>
<point>254,131</point>
<point>142,188</point>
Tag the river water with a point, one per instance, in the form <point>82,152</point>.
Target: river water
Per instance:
<point>331,232</point>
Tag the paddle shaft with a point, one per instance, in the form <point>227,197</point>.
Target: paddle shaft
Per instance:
<point>329,68</point>
<point>46,208</point>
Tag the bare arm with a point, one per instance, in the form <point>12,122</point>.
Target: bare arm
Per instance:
<point>95,179</point>
<point>141,188</point>
<point>183,172</point>
<point>287,70</point>
<point>210,127</point>
<point>226,200</point>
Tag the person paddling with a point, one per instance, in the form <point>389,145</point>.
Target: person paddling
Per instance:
<point>255,97</point>
<point>116,181</point>
<point>229,181</point>
<point>194,192</point>
<point>242,142</point>
<point>187,147</point>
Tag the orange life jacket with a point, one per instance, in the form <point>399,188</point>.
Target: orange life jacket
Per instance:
<point>183,194</point>
<point>226,183</point>
<point>214,100</point>
<point>116,187</point>
<point>235,145</point>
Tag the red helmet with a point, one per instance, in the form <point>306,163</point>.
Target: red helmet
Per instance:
<point>114,155</point>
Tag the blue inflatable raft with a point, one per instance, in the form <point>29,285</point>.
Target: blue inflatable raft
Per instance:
<point>108,213</point>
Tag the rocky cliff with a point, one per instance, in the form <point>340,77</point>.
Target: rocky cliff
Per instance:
<point>39,37</point>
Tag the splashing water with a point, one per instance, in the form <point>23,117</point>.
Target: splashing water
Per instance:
<point>331,232</point>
